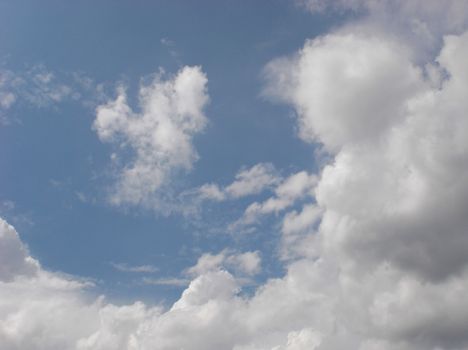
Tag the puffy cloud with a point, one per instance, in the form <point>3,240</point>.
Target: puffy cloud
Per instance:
<point>159,135</point>
<point>207,262</point>
<point>295,222</point>
<point>45,310</point>
<point>14,257</point>
<point>247,263</point>
<point>39,309</point>
<point>211,192</point>
<point>346,88</point>
<point>295,187</point>
<point>406,175</point>
<point>390,204</point>
<point>252,181</point>
<point>247,182</point>
<point>432,14</point>
<point>385,221</point>
<point>298,232</point>
<point>420,23</point>
<point>303,339</point>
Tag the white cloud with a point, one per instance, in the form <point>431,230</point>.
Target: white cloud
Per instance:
<point>37,86</point>
<point>7,99</point>
<point>419,23</point>
<point>295,187</point>
<point>211,192</point>
<point>139,269</point>
<point>171,281</point>
<point>389,269</point>
<point>247,263</point>
<point>299,230</point>
<point>295,222</point>
<point>405,175</point>
<point>247,182</point>
<point>303,339</point>
<point>40,87</point>
<point>14,257</point>
<point>206,263</point>
<point>335,84</point>
<point>159,136</point>
<point>393,197</point>
<point>253,180</point>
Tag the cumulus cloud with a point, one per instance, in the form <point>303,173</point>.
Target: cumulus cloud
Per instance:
<point>336,85</point>
<point>14,257</point>
<point>295,187</point>
<point>247,263</point>
<point>296,227</point>
<point>405,166</point>
<point>419,23</point>
<point>252,181</point>
<point>379,244</point>
<point>159,135</point>
<point>388,211</point>
<point>247,182</point>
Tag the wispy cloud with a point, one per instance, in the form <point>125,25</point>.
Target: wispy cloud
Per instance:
<point>137,269</point>
<point>38,86</point>
<point>174,282</point>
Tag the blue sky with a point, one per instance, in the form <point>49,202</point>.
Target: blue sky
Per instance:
<point>239,175</point>
<point>50,155</point>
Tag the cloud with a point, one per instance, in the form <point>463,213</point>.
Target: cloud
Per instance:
<point>379,243</point>
<point>210,191</point>
<point>159,135</point>
<point>171,281</point>
<point>7,99</point>
<point>405,173</point>
<point>419,23</point>
<point>138,269</point>
<point>247,264</point>
<point>298,231</point>
<point>14,257</point>
<point>335,84</point>
<point>37,86</point>
<point>295,187</point>
<point>247,182</point>
<point>391,200</point>
<point>252,181</point>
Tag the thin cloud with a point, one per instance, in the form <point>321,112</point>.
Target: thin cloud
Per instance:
<point>138,268</point>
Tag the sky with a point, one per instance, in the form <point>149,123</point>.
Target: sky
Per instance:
<point>263,175</point>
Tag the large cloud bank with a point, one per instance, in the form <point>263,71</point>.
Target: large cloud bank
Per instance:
<point>376,262</point>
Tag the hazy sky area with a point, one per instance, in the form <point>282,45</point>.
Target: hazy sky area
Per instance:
<point>234,175</point>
